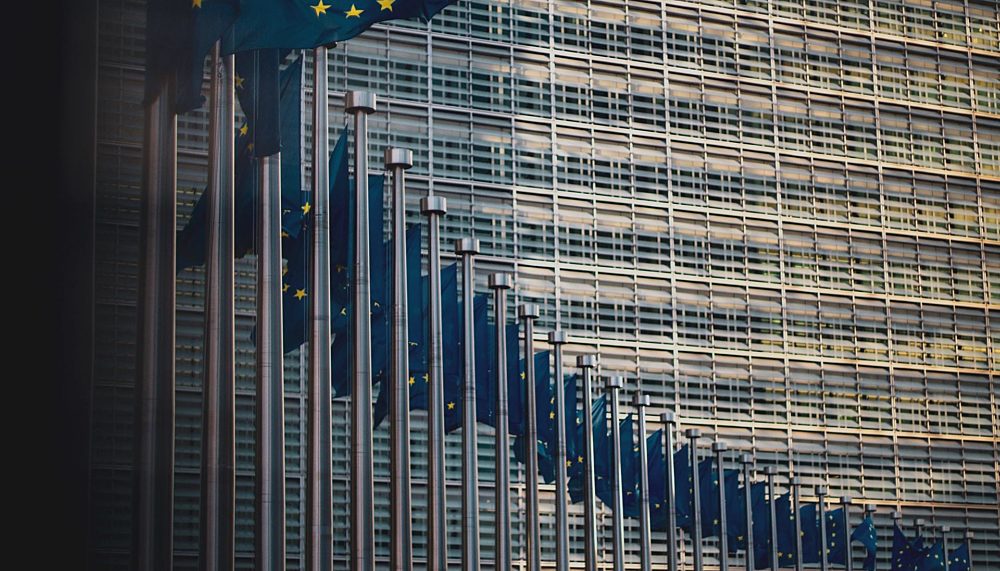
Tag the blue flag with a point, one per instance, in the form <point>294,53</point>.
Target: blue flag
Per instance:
<point>785,518</point>
<point>708,487</point>
<point>736,518</point>
<point>205,23</point>
<point>485,351</point>
<point>628,466</point>
<point>450,342</point>
<point>602,455</point>
<point>297,24</point>
<point>191,240</point>
<point>683,487</point>
<point>959,558</point>
<point>865,534</point>
<point>545,399</point>
<point>905,554</point>
<point>837,540</point>
<point>932,559</point>
<point>810,533</point>
<point>760,513</point>
<point>656,469</point>
<point>515,381</point>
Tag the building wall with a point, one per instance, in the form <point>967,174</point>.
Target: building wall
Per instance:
<point>780,219</point>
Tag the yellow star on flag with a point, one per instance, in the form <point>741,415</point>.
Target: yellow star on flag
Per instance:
<point>320,8</point>
<point>196,3</point>
<point>300,293</point>
<point>239,80</point>
<point>343,311</point>
<point>579,459</point>
<point>568,463</point>
<point>451,406</point>
<point>385,4</point>
<point>353,12</point>
<point>306,208</point>
<point>244,129</point>
<point>522,376</point>
<point>412,380</point>
<point>552,415</point>
<point>427,378</point>
<point>284,288</point>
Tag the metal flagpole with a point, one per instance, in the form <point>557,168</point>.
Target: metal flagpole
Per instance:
<point>824,556</point>
<point>500,283</point>
<point>218,478</point>
<point>153,499</point>
<point>319,480</point>
<point>796,483</point>
<point>945,530</point>
<point>969,535</point>
<point>770,472</point>
<point>669,421</point>
<point>557,338</point>
<point>617,517</point>
<point>693,434</point>
<point>747,460</point>
<point>720,448</point>
<point>437,533</point>
<point>360,104</point>
<point>401,548</point>
<point>269,511</point>
<point>918,526</point>
<point>646,563</point>
<point>529,312</point>
<point>587,364</point>
<point>845,501</point>
<point>467,248</point>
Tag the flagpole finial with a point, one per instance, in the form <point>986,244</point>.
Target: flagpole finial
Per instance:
<point>920,522</point>
<point>969,534</point>
<point>639,400</point>
<point>770,470</point>
<point>945,529</point>
<point>719,446</point>
<point>359,102</point>
<point>557,337</point>
<point>396,157</point>
<point>897,515</point>
<point>746,458</point>
<point>668,417</point>
<point>586,361</point>
<point>616,382</point>
<point>434,205</point>
<point>528,311</point>
<point>821,491</point>
<point>846,500</point>
<point>870,508</point>
<point>500,280</point>
<point>795,481</point>
<point>466,246</point>
<point>693,433</point>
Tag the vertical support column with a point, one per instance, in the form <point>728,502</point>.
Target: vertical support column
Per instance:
<point>500,283</point>
<point>319,476</point>
<point>693,435</point>
<point>437,523</point>
<point>587,364</point>
<point>669,424</point>
<point>640,402</point>
<point>747,460</point>
<point>557,338</point>
<point>218,477</point>
<point>360,104</point>
<point>528,312</point>
<point>467,248</point>
<point>720,448</point>
<point>615,385</point>
<point>401,549</point>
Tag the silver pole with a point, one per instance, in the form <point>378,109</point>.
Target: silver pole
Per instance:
<point>437,525</point>
<point>467,248</point>
<point>845,501</point>
<point>824,556</point>
<point>918,526</point>
<point>720,448</point>
<point>693,435</point>
<point>587,364</point>
<point>945,530</point>
<point>218,478</point>
<point>528,312</point>
<point>747,461</point>
<point>153,512</point>
<point>361,103</point>
<point>771,472</point>
<point>870,510</point>
<point>796,483</point>
<point>319,483</point>
<point>401,548</point>
<point>669,422</point>
<point>270,477</point>
<point>969,535</point>
<point>617,517</point>
<point>646,556</point>
<point>499,283</point>
<point>557,338</point>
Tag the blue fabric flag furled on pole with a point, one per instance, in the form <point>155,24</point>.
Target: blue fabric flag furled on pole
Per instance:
<point>602,455</point>
<point>656,469</point>
<point>708,486</point>
<point>313,23</point>
<point>736,519</point>
<point>785,518</point>
<point>811,546</point>
<point>545,418</point>
<point>683,487</point>
<point>933,558</point>
<point>629,465</point>
<point>760,511</point>
<point>837,540</point>
<point>959,559</point>
<point>205,23</point>
<point>865,534</point>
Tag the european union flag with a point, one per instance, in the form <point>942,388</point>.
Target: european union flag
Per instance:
<point>515,381</point>
<point>656,469</point>
<point>450,342</point>
<point>191,240</point>
<point>602,455</point>
<point>628,465</point>
<point>785,518</point>
<point>205,23</point>
<point>959,558</point>
<point>811,545</point>
<point>486,383</point>
<point>865,534</point>
<point>683,487</point>
<point>708,486</point>
<point>545,414</point>
<point>905,555</point>
<point>837,541</point>
<point>570,420</point>
<point>760,512</point>
<point>485,351</point>
<point>298,24</point>
<point>933,559</point>
<point>736,519</point>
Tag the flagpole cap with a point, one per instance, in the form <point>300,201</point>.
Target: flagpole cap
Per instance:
<point>396,157</point>
<point>870,508</point>
<point>434,205</point>
<point>693,433</point>
<point>897,515</point>
<point>920,522</point>
<point>466,246</point>
<point>822,490</point>
<point>795,481</point>
<point>586,361</point>
<point>639,400</point>
<point>846,500</point>
<point>500,280</point>
<point>668,417</point>
<point>616,382</point>
<point>770,471</point>
<point>718,446</point>
<point>746,458</point>
<point>359,102</point>
<point>528,311</point>
<point>945,529</point>
<point>969,534</point>
<point>557,337</point>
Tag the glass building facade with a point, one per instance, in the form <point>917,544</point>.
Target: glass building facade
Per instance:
<point>780,219</point>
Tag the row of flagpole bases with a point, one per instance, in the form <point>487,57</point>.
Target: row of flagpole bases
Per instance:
<point>217,521</point>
